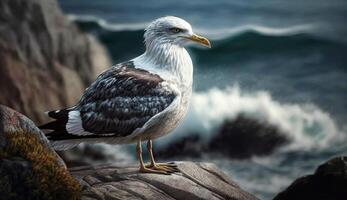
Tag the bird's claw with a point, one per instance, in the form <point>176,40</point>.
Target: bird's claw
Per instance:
<point>165,167</point>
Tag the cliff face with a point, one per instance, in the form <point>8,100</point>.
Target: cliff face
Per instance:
<point>45,61</point>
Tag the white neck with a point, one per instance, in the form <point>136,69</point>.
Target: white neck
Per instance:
<point>167,58</point>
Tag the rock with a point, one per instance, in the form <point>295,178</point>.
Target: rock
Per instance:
<point>328,182</point>
<point>45,61</point>
<point>191,146</point>
<point>13,122</point>
<point>29,167</point>
<point>196,181</point>
<point>245,137</point>
<point>240,138</point>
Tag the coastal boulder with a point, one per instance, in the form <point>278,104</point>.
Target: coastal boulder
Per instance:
<point>29,167</point>
<point>240,138</point>
<point>328,182</point>
<point>244,137</point>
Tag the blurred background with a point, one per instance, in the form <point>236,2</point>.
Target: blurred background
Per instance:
<point>269,102</point>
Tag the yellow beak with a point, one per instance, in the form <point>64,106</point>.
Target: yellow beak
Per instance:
<point>201,40</point>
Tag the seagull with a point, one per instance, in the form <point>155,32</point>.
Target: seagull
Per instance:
<point>138,100</point>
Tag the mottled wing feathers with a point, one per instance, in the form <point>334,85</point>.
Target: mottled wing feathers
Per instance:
<point>120,100</point>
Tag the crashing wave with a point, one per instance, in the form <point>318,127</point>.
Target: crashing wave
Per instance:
<point>305,124</point>
<point>223,33</point>
<point>214,34</point>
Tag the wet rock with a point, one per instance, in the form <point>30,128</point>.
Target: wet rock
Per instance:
<point>328,182</point>
<point>240,138</point>
<point>245,137</point>
<point>191,146</point>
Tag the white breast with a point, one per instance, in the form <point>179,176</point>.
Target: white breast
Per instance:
<point>173,64</point>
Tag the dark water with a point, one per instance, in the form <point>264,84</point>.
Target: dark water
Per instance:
<point>282,61</point>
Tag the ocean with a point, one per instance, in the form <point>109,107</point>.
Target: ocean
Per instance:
<point>283,62</point>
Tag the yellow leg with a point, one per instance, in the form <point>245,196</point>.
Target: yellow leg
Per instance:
<point>168,167</point>
<point>143,168</point>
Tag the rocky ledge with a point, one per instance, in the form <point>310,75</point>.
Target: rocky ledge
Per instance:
<point>30,169</point>
<point>195,181</point>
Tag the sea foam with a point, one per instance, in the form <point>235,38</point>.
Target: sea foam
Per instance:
<point>306,125</point>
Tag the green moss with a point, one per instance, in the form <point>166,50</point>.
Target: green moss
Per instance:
<point>29,171</point>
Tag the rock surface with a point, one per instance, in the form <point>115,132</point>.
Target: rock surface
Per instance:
<point>246,137</point>
<point>195,181</point>
<point>45,61</point>
<point>328,182</point>
<point>28,163</point>
<point>29,167</point>
<point>12,122</point>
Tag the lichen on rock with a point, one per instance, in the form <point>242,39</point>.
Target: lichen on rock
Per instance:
<point>35,171</point>
<point>29,168</point>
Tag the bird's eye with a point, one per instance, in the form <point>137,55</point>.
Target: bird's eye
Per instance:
<point>175,30</point>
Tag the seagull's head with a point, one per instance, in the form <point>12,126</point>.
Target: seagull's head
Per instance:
<point>172,30</point>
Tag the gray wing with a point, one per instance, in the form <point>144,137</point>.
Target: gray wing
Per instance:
<point>119,101</point>
<point>122,99</point>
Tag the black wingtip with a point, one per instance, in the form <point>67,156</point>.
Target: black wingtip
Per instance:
<point>59,114</point>
<point>59,124</point>
<point>50,125</point>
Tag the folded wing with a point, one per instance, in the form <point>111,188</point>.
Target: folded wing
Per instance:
<point>120,100</point>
